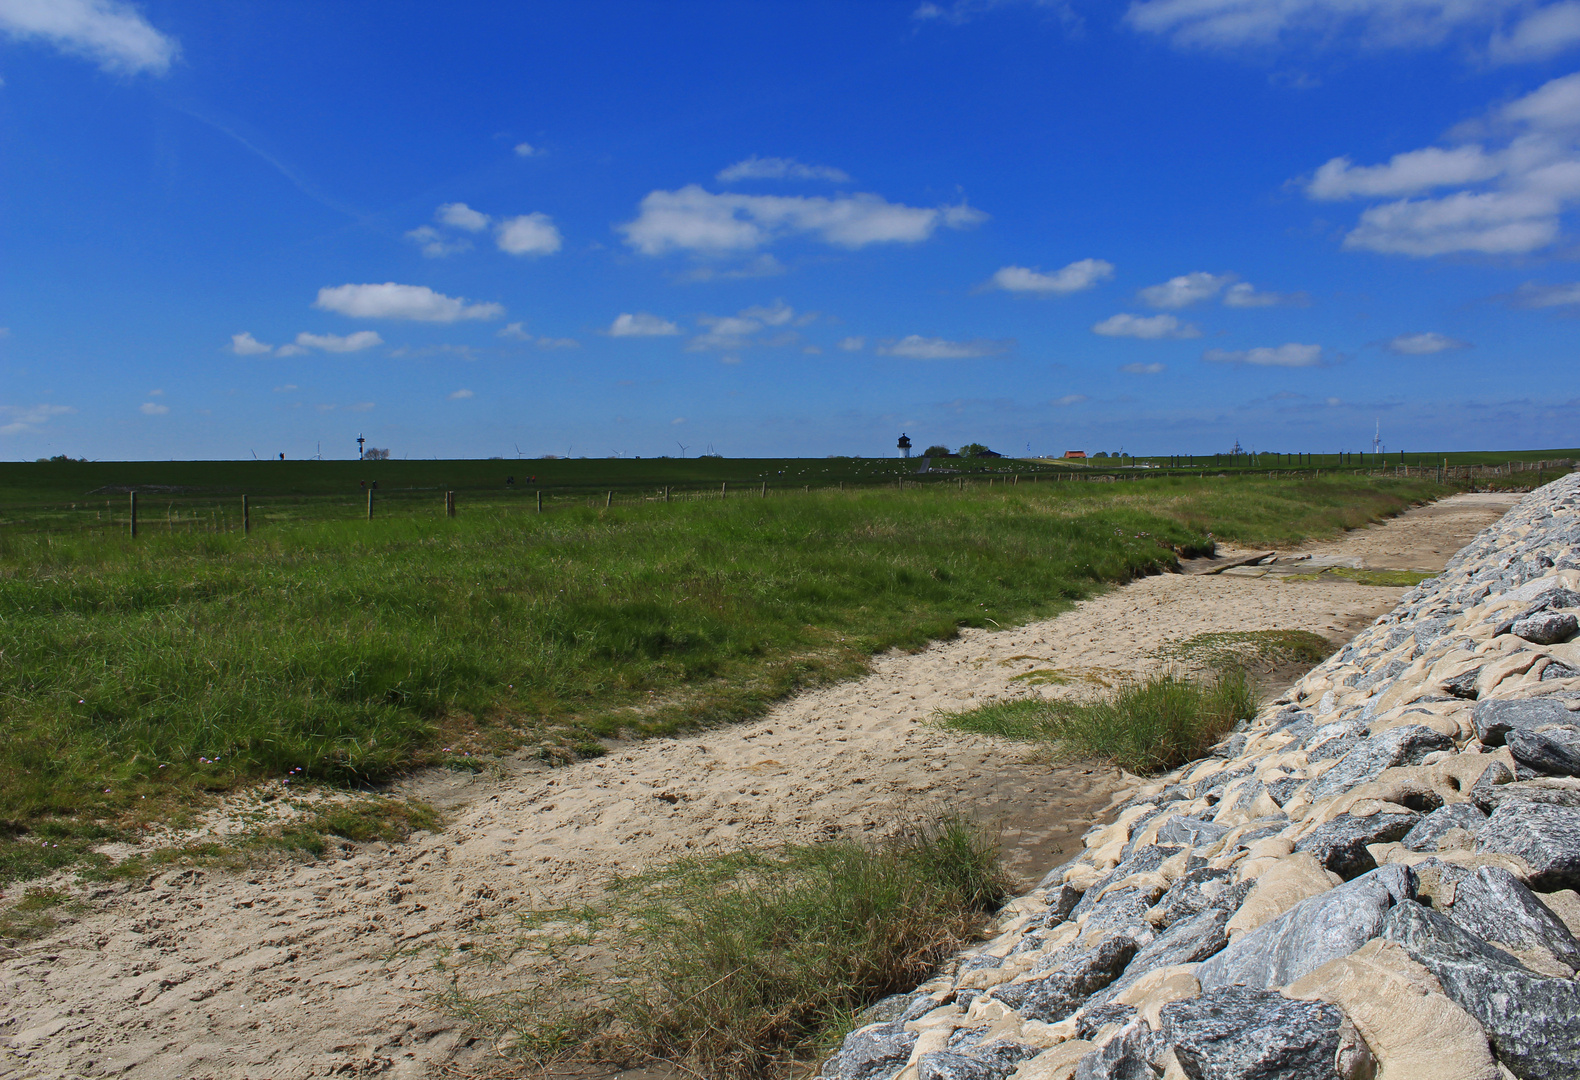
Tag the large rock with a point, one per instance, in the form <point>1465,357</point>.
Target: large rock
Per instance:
<point>1495,905</point>
<point>1533,1021</point>
<point>1425,834</point>
<point>872,1052</point>
<point>1311,933</point>
<point>1546,837</point>
<point>1554,751</point>
<point>985,1061</point>
<point>1340,844</point>
<point>1550,790</point>
<point>1237,1033</point>
<point>1186,942</point>
<point>1494,719</point>
<point>1547,628</point>
<point>1195,892</point>
<point>1193,832</point>
<point>1404,745</point>
<point>1078,973</point>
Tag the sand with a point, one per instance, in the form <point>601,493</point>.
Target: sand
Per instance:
<point>326,968</point>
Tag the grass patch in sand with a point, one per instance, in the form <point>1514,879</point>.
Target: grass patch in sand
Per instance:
<point>35,915</point>
<point>731,964</point>
<point>1146,726</point>
<point>1242,648</point>
<point>141,678</point>
<point>1394,578</point>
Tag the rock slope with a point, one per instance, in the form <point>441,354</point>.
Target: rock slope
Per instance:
<point>1374,878</point>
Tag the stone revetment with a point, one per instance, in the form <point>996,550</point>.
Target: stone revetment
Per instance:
<point>1374,878</point>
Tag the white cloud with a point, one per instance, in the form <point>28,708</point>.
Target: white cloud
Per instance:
<point>1080,275</point>
<point>1405,174</point>
<point>26,419</point>
<point>458,215</point>
<point>1335,401</point>
<point>813,350</point>
<point>763,265</point>
<point>1511,197</point>
<point>1070,399</point>
<point>1228,24</point>
<point>678,420</point>
<point>514,331</point>
<point>360,406</point>
<point>1291,355</point>
<point>1532,295</point>
<point>153,408</point>
<point>461,395</point>
<point>113,34</point>
<point>1142,369</point>
<point>286,388</point>
<point>775,168</point>
<point>392,301</point>
<point>736,331</point>
<point>1146,327</point>
<point>244,344</point>
<point>697,220</point>
<point>156,393</point>
<point>528,234</point>
<point>1423,344</point>
<point>852,344</point>
<point>916,347</point>
<point>335,343</point>
<point>641,324</point>
<point>524,149</point>
<point>558,343</point>
<point>1244,295</point>
<point>1185,290</point>
<point>1543,33</point>
<point>435,244</point>
<point>776,314</point>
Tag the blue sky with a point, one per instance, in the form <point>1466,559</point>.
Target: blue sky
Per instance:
<point>795,228</point>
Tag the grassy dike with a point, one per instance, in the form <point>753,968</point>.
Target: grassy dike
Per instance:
<point>135,676</point>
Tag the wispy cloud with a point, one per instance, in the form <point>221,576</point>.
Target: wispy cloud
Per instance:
<point>1146,327</point>
<point>153,408</point>
<point>27,419</point>
<point>641,324</point>
<point>777,168</point>
<point>1185,290</point>
<point>244,344</point>
<point>693,219</point>
<point>916,347</point>
<point>392,301</point>
<point>1141,369</point>
<point>335,343</point>
<point>1292,355</point>
<point>461,395</point>
<point>114,35</point>
<point>1077,276</point>
<point>1423,344</point>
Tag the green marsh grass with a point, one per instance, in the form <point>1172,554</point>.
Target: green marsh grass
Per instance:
<point>731,964</point>
<point>137,676</point>
<point>1146,726</point>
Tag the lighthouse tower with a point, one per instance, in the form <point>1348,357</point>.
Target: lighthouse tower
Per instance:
<point>905,446</point>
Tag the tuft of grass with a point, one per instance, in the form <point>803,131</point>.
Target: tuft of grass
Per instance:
<point>1396,578</point>
<point>1242,648</point>
<point>1146,726</point>
<point>35,915</point>
<point>731,965</point>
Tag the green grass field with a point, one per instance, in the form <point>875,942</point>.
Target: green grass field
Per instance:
<point>135,675</point>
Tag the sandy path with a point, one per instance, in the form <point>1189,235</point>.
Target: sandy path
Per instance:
<point>320,969</point>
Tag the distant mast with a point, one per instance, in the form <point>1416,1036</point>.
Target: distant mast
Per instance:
<point>1377,437</point>
<point>905,445</point>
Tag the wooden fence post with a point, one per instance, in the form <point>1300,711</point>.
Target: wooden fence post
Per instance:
<point>724,489</point>
<point>666,492</point>
<point>765,490</point>
<point>608,500</point>
<point>134,514</point>
<point>370,504</point>
<point>246,517</point>
<point>540,500</point>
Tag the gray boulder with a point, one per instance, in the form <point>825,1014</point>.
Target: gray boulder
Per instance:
<point>1403,745</point>
<point>1238,1033</point>
<point>1076,975</point>
<point>1191,831</point>
<point>984,1061</point>
<point>1340,845</point>
<point>1282,789</point>
<point>873,1052</point>
<point>1494,719</point>
<point>1556,670</point>
<point>1139,861</point>
<point>1314,931</point>
<point>1425,834</point>
<point>1186,942</point>
<point>1125,1057</point>
<point>1483,793</point>
<point>1463,686</point>
<point>1496,906</point>
<point>1547,628</point>
<point>1548,790</point>
<point>1546,837</point>
<point>1199,890</point>
<point>1553,751</point>
<point>1533,1022</point>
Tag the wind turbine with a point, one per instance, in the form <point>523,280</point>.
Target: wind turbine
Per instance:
<point>683,447</point>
